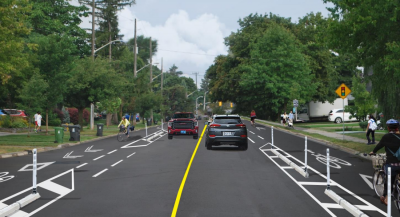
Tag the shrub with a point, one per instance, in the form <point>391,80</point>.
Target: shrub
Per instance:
<point>18,123</point>
<point>66,118</point>
<point>363,124</point>
<point>59,113</point>
<point>156,116</point>
<point>73,115</point>
<point>5,121</point>
<point>55,122</point>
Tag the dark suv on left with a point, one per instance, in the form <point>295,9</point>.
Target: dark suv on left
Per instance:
<point>227,130</point>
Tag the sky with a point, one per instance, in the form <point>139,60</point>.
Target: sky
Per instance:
<point>191,34</point>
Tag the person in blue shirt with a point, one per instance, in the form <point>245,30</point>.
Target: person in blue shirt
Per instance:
<point>291,116</point>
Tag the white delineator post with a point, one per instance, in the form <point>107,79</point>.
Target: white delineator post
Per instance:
<point>305,156</point>
<point>272,136</point>
<point>328,185</point>
<point>145,124</point>
<point>34,170</point>
<point>389,192</point>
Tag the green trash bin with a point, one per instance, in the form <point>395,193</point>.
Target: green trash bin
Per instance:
<point>59,133</point>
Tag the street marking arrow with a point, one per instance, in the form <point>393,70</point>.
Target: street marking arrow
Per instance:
<point>89,149</point>
<point>365,177</point>
<point>68,155</point>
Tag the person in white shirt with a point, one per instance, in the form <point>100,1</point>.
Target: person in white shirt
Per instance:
<point>39,121</point>
<point>371,129</point>
<point>37,113</point>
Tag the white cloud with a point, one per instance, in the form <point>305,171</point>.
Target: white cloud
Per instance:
<point>181,40</point>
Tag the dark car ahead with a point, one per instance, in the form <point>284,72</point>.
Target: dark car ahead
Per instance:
<point>227,130</point>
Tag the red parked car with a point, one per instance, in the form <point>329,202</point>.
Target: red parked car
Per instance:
<point>15,113</point>
<point>183,123</point>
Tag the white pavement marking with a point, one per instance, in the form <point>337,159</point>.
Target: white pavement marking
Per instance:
<point>39,166</point>
<point>158,134</point>
<point>131,155</point>
<point>117,163</point>
<point>81,165</point>
<point>89,149</point>
<point>68,155</point>
<point>368,205</point>
<point>251,140</point>
<point>316,183</point>
<point>251,132</point>
<point>260,137</point>
<point>99,157</point>
<point>99,173</point>
<point>112,151</point>
<point>365,178</point>
<point>49,185</point>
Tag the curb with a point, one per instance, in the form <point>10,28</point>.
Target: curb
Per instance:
<point>65,145</point>
<point>322,142</point>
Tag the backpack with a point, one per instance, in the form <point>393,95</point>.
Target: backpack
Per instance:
<point>397,154</point>
<point>132,128</point>
<point>373,125</point>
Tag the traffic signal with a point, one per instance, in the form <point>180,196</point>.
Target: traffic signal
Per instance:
<point>220,103</point>
<point>231,105</point>
<point>343,91</point>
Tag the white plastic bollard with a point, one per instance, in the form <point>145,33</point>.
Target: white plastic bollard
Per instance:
<point>272,135</point>
<point>34,170</point>
<point>145,124</point>
<point>305,156</point>
<point>389,192</point>
<point>328,185</point>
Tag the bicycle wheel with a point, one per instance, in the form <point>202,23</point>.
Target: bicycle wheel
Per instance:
<point>378,180</point>
<point>121,136</point>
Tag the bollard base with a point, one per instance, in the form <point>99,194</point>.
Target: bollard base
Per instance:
<point>346,205</point>
<point>9,210</point>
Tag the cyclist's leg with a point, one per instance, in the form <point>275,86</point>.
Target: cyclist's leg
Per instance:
<point>127,129</point>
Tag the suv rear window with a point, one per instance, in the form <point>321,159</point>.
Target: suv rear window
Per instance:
<point>183,115</point>
<point>227,120</point>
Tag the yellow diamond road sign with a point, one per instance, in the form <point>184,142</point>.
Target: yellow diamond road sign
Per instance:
<point>343,91</point>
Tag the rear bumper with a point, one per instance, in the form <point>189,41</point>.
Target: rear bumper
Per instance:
<point>178,132</point>
<point>224,140</point>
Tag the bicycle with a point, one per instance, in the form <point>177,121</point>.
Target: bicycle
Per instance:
<point>122,134</point>
<point>379,180</point>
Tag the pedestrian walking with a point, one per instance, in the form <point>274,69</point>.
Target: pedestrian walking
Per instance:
<point>37,113</point>
<point>39,122</point>
<point>291,116</point>
<point>372,126</point>
<point>284,117</point>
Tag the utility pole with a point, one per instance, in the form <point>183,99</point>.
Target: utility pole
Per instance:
<point>134,51</point>
<point>196,73</point>
<point>204,106</point>
<point>151,77</point>
<point>162,80</point>
<point>109,31</point>
<point>93,41</point>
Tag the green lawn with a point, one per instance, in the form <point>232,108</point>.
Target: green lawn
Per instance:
<point>325,124</point>
<point>14,143</point>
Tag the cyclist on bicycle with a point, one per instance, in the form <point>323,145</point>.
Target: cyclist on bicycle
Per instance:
<point>391,142</point>
<point>125,124</point>
<point>253,116</point>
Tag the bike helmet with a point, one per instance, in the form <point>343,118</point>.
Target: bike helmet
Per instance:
<point>392,123</point>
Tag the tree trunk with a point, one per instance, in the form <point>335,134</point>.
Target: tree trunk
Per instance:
<point>47,121</point>
<point>80,117</point>
<point>115,118</point>
<point>108,119</point>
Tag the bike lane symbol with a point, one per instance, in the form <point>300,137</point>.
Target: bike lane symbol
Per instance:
<point>333,161</point>
<point>4,177</point>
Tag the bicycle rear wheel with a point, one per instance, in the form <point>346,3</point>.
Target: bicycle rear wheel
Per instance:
<point>121,136</point>
<point>378,180</point>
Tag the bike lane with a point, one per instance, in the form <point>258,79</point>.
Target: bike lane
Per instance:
<point>350,171</point>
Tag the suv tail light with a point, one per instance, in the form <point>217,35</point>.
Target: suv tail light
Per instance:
<point>240,125</point>
<point>214,125</point>
<point>243,136</point>
<point>212,136</point>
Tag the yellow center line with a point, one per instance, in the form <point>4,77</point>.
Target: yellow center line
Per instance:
<point>178,197</point>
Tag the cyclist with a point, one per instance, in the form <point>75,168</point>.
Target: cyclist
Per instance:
<point>125,123</point>
<point>391,142</point>
<point>253,116</point>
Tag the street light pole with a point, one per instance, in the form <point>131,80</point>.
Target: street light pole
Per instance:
<point>204,107</point>
<point>196,104</point>
<point>151,79</point>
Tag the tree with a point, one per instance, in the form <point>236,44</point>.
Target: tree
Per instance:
<point>363,101</point>
<point>13,29</point>
<point>143,44</point>
<point>110,106</point>
<point>369,30</point>
<point>92,81</point>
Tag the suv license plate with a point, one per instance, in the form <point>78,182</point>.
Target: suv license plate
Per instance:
<point>183,132</point>
<point>227,134</point>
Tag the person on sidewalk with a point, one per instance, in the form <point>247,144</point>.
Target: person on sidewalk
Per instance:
<point>37,113</point>
<point>291,116</point>
<point>284,119</point>
<point>39,122</point>
<point>372,126</point>
<point>125,124</point>
<point>391,142</point>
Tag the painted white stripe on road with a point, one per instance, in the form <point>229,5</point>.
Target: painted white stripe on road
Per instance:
<point>260,137</point>
<point>99,157</point>
<point>251,132</point>
<point>317,183</point>
<point>54,187</point>
<point>81,165</point>
<point>112,151</point>
<point>131,155</point>
<point>251,140</point>
<point>117,163</point>
<point>100,173</point>
<point>287,168</point>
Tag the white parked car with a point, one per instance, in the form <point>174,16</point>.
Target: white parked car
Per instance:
<point>336,115</point>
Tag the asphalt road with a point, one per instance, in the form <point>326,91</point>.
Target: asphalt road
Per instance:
<point>142,178</point>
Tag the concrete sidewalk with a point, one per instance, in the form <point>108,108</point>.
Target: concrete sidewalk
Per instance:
<point>338,136</point>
